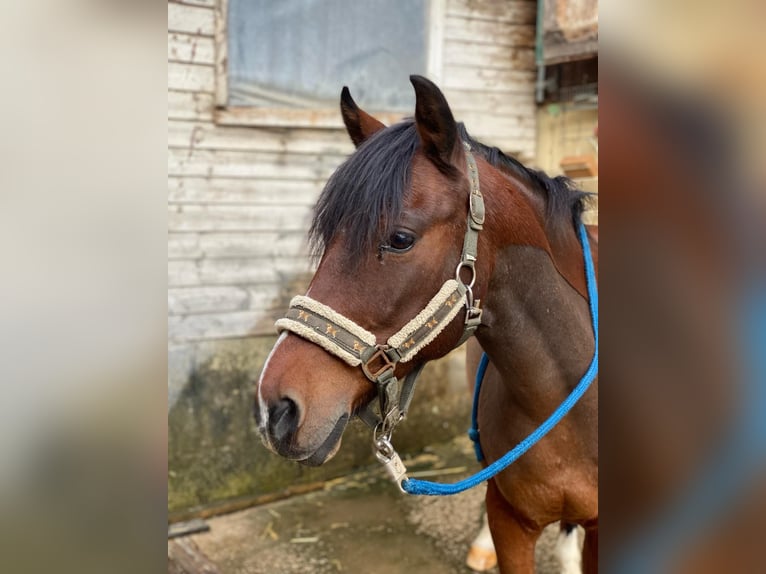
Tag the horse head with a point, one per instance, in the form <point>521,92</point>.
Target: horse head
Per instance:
<point>390,227</point>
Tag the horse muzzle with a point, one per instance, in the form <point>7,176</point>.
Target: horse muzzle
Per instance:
<point>279,426</point>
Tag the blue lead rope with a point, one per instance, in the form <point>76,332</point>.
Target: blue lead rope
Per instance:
<point>415,486</point>
<point>473,432</point>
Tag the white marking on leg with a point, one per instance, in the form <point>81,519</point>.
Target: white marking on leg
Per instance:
<point>568,552</point>
<point>262,409</point>
<point>484,538</point>
<point>481,556</point>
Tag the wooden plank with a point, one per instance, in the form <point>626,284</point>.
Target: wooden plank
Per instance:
<point>282,140</point>
<point>272,244</point>
<point>237,324</point>
<point>237,218</point>
<point>482,78</point>
<point>185,557</point>
<point>522,148</point>
<point>190,273</point>
<point>184,246</point>
<point>514,11</point>
<point>280,244</point>
<point>182,273</point>
<point>190,19</point>
<point>520,144</point>
<point>186,528</point>
<point>516,121</point>
<point>235,191</point>
<point>520,87</point>
<point>229,163</point>
<point>518,127</point>
<point>437,10</point>
<point>207,3</point>
<point>254,271</point>
<point>190,77</point>
<point>190,106</point>
<point>513,144</point>
<point>328,118</point>
<point>489,32</point>
<point>490,56</point>
<point>215,326</point>
<point>221,56</point>
<point>519,100</point>
<point>189,300</point>
<point>189,49</point>
<point>225,299</point>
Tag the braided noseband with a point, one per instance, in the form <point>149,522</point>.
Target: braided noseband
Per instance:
<point>343,338</point>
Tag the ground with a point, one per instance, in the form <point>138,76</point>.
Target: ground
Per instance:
<point>362,523</point>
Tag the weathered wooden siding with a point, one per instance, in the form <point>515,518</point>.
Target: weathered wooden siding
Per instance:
<point>488,72</point>
<point>240,197</point>
<point>565,131</point>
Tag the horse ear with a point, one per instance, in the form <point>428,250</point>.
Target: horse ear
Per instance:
<point>359,124</point>
<point>434,121</point>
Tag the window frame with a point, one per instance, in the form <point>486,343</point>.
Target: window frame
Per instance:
<point>224,114</point>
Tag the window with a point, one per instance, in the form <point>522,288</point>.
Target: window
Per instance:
<point>286,60</point>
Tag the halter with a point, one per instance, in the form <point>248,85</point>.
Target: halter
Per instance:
<point>343,338</point>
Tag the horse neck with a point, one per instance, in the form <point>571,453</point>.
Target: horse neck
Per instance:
<point>537,329</point>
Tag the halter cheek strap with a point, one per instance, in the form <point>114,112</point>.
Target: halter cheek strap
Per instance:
<point>345,339</point>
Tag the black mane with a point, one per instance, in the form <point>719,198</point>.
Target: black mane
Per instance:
<point>363,198</point>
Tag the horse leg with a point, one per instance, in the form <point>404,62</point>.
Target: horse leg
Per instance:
<point>590,551</point>
<point>514,543</point>
<point>481,555</point>
<point>568,549</point>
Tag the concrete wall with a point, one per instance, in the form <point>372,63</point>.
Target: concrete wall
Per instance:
<point>214,451</point>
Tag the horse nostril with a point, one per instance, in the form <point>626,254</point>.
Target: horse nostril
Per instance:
<point>283,419</point>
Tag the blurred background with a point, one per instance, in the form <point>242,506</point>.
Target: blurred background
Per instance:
<point>93,155</point>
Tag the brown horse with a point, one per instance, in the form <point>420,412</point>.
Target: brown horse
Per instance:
<point>390,225</point>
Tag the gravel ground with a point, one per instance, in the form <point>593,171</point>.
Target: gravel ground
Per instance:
<point>361,523</point>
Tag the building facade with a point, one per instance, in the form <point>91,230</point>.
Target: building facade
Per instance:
<point>246,162</point>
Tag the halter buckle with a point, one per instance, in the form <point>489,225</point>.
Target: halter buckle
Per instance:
<point>476,209</point>
<point>386,364</point>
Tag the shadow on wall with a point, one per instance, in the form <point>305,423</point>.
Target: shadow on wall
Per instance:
<point>215,454</point>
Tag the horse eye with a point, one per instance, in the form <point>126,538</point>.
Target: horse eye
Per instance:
<point>400,241</point>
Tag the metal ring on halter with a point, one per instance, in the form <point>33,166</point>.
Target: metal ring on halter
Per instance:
<point>378,433</point>
<point>384,447</point>
<point>385,428</point>
<point>466,265</point>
